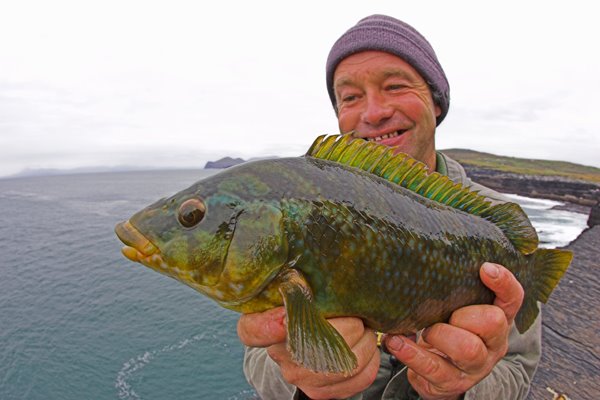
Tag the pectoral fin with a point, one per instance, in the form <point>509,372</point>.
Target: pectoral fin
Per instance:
<point>313,342</point>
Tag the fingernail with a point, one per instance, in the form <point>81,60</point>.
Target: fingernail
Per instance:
<point>395,343</point>
<point>491,270</point>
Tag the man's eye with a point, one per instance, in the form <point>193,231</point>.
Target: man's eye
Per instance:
<point>349,98</point>
<point>396,86</point>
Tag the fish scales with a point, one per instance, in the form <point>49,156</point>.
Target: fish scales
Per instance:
<point>316,180</point>
<point>331,234</point>
<point>360,254</point>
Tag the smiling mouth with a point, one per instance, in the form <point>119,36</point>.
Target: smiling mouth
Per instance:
<point>385,136</point>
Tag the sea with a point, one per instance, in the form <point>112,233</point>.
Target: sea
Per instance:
<point>79,321</point>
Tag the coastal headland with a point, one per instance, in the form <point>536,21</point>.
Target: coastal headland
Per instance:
<point>576,185</point>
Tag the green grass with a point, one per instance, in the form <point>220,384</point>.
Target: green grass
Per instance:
<point>525,166</point>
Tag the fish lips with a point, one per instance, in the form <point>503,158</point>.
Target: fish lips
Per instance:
<point>137,246</point>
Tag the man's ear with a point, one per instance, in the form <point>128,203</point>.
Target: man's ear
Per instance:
<point>438,110</point>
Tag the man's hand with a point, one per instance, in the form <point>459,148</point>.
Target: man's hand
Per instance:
<point>451,358</point>
<point>267,329</point>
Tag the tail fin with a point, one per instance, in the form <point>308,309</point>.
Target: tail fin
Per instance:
<point>549,265</point>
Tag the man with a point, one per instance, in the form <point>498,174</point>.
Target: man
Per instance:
<point>386,84</point>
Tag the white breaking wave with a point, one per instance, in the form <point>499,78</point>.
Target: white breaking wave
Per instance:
<point>555,228</point>
<point>137,363</point>
<point>18,194</point>
<point>537,204</point>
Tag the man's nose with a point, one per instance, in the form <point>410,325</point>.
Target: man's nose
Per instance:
<point>376,111</point>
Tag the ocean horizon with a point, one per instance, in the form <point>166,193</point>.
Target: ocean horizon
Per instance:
<point>81,321</point>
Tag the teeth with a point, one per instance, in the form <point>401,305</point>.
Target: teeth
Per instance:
<point>383,137</point>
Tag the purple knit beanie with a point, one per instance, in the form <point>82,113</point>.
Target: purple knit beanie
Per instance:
<point>383,33</point>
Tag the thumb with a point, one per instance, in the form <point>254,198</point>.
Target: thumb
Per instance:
<point>262,329</point>
<point>509,292</point>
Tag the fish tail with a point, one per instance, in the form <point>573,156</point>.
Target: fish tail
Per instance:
<point>549,265</point>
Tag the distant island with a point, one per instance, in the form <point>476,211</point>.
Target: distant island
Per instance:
<point>224,162</point>
<point>227,162</point>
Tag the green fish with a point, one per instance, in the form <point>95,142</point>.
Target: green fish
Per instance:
<point>350,229</point>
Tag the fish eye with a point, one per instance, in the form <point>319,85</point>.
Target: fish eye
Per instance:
<point>191,212</point>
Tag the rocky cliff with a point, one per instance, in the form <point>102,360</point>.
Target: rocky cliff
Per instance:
<point>547,187</point>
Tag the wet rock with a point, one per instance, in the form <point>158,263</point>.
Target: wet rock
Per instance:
<point>594,218</point>
<point>570,361</point>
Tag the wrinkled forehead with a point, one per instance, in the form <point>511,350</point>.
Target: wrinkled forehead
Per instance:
<point>373,65</point>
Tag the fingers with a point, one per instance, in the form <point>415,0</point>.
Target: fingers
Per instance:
<point>488,322</point>
<point>474,337</point>
<point>349,386</point>
<point>509,292</point>
<point>361,341</point>
<point>326,386</point>
<point>262,329</point>
<point>468,352</point>
<point>452,390</point>
<point>436,374</point>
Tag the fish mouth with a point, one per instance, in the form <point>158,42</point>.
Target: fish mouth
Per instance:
<point>137,247</point>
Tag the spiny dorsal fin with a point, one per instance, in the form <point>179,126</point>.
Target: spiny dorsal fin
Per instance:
<point>413,175</point>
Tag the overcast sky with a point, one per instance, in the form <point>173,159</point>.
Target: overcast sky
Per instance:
<point>173,83</point>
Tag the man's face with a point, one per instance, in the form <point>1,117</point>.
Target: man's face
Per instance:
<point>382,98</point>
